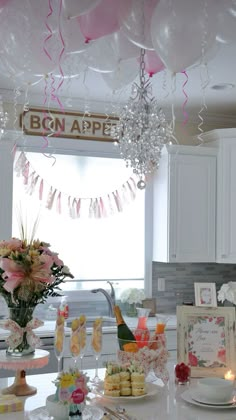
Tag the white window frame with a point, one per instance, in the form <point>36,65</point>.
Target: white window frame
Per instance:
<point>61,145</point>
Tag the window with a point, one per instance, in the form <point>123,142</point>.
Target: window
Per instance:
<point>95,249</point>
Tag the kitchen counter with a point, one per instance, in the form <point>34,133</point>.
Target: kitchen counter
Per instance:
<point>167,404</point>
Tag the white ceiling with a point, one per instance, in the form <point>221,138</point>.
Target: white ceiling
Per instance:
<point>89,87</point>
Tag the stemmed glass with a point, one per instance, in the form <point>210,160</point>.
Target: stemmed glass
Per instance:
<point>82,343</point>
<point>96,344</point>
<point>59,340</point>
<point>74,341</point>
<point>78,339</point>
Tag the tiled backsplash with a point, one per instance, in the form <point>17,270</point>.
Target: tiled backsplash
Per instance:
<point>180,279</point>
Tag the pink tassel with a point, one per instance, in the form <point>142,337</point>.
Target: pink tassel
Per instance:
<point>34,179</point>
<point>59,203</point>
<point>99,211</point>
<point>41,190</point>
<point>91,211</point>
<point>50,199</point>
<point>69,205</point>
<point>132,192</point>
<point>78,207</point>
<point>111,210</point>
<point>134,183</point>
<point>102,207</point>
<point>25,173</point>
<point>117,201</point>
<point>20,164</point>
<point>73,209</point>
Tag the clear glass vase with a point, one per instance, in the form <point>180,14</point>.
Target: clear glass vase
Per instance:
<point>131,309</point>
<point>21,316</point>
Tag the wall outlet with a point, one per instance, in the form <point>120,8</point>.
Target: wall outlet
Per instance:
<point>161,286</point>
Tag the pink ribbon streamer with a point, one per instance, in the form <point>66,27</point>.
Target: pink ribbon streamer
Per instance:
<point>186,98</point>
<point>17,332</point>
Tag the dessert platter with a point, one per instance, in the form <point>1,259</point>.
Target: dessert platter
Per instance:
<point>151,390</point>
<point>125,382</point>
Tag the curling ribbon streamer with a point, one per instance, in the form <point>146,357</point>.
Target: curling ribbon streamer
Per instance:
<point>186,98</point>
<point>47,38</point>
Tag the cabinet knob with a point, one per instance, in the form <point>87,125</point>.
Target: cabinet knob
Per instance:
<point>223,256</point>
<point>173,255</point>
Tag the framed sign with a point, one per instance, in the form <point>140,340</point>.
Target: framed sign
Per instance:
<point>206,339</point>
<point>205,294</point>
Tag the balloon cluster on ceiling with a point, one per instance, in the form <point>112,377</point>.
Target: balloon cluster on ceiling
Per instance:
<point>66,37</point>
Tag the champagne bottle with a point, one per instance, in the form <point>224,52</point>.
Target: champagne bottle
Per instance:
<point>126,338</point>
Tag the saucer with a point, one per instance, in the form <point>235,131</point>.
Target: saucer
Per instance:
<point>186,396</point>
<point>197,396</point>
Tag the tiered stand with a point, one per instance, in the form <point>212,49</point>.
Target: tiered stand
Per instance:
<point>36,360</point>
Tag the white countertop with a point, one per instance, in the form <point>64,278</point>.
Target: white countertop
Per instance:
<point>166,405</point>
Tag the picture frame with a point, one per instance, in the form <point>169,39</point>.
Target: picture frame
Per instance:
<point>205,294</point>
<point>206,339</point>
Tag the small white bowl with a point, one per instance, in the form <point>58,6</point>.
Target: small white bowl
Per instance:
<point>216,389</point>
<point>56,409</point>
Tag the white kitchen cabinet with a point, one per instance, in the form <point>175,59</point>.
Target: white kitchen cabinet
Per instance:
<point>225,142</point>
<point>184,201</point>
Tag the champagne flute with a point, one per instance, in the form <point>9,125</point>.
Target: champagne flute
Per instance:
<point>83,342</point>
<point>96,343</point>
<point>59,340</point>
<point>74,342</point>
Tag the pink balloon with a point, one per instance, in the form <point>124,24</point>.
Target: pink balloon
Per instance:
<point>102,20</point>
<point>153,63</point>
<point>3,2</point>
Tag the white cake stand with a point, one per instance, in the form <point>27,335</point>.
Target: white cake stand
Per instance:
<point>35,360</point>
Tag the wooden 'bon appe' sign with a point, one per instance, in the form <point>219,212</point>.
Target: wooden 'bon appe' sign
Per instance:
<point>73,125</point>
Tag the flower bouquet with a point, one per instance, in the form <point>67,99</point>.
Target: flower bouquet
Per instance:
<point>227,292</point>
<point>29,274</point>
<point>131,297</point>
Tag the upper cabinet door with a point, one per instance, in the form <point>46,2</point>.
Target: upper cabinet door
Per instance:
<point>192,208</point>
<point>184,206</point>
<point>226,202</point>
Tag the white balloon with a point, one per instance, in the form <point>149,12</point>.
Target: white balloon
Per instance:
<point>226,24</point>
<point>74,40</point>
<point>125,73</point>
<point>101,56</point>
<point>122,46</point>
<point>74,8</point>
<point>181,31</point>
<point>24,48</point>
<point>136,23</point>
<point>72,66</point>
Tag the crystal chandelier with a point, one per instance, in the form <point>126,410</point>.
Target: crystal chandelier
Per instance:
<point>142,129</point>
<point>3,119</point>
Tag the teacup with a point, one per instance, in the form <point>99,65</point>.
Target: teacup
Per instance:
<point>215,389</point>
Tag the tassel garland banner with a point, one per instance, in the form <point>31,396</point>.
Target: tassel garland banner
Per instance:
<point>94,207</point>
